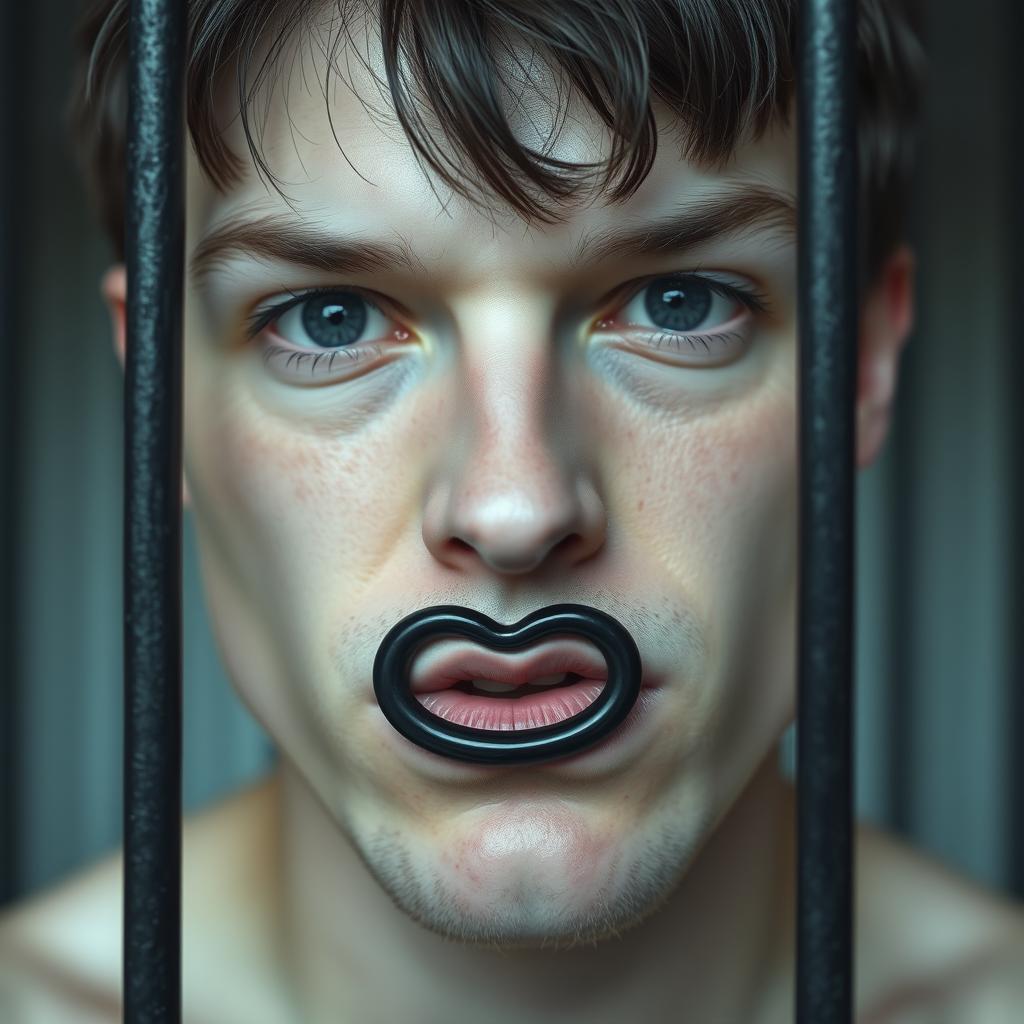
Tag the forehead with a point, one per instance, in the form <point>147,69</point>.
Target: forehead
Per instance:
<point>328,132</point>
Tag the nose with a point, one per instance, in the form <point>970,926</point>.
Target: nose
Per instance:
<point>515,494</point>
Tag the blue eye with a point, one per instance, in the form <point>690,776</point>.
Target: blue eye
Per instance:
<point>684,302</point>
<point>677,305</point>
<point>324,323</point>
<point>333,320</point>
<point>321,319</point>
<point>693,315</point>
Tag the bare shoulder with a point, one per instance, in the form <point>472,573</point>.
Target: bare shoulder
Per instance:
<point>57,950</point>
<point>934,947</point>
<point>60,949</point>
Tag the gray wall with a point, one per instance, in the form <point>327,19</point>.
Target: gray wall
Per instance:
<point>66,713</point>
<point>938,654</point>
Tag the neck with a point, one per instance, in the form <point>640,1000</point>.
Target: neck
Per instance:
<point>719,945</point>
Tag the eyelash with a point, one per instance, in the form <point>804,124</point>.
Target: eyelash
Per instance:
<point>755,301</point>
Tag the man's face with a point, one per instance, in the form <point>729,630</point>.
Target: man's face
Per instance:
<point>509,423</point>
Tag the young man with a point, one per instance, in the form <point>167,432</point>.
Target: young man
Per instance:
<point>434,354</point>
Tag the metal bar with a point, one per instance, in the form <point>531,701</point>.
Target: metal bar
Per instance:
<point>828,317</point>
<point>1013,20</point>
<point>15,24</point>
<point>154,247</point>
<point>828,306</point>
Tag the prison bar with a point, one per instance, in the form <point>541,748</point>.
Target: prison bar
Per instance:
<point>827,314</point>
<point>827,318</point>
<point>154,259</point>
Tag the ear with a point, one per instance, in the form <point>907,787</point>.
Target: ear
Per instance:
<point>886,319</point>
<point>114,289</point>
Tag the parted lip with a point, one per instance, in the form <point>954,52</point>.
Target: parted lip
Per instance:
<point>450,662</point>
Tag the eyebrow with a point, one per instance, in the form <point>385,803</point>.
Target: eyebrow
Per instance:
<point>280,238</point>
<point>277,237</point>
<point>715,215</point>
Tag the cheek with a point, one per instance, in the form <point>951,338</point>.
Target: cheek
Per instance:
<point>755,537</point>
<point>286,520</point>
<point>752,572</point>
<point>717,504</point>
<point>271,505</point>
<point>259,494</point>
<point>747,506</point>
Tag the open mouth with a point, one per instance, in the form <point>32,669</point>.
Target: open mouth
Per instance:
<point>491,688</point>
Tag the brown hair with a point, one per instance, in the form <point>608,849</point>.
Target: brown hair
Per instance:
<point>724,67</point>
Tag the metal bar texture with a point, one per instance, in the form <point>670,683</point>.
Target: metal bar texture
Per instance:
<point>1013,20</point>
<point>154,248</point>
<point>828,254</point>
<point>829,250</point>
<point>15,22</point>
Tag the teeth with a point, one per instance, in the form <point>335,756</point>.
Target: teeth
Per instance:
<point>557,677</point>
<point>489,686</point>
<point>492,687</point>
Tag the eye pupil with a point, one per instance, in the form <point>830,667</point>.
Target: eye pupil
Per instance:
<point>676,306</point>
<point>334,320</point>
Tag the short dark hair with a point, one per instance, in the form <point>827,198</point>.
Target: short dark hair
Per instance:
<point>724,67</point>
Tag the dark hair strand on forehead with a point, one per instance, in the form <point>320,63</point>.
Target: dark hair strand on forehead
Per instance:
<point>724,68</point>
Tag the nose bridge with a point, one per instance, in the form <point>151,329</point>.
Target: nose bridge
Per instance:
<point>828,186</point>
<point>514,485</point>
<point>512,394</point>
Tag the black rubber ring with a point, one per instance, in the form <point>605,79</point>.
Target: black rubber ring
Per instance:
<point>399,647</point>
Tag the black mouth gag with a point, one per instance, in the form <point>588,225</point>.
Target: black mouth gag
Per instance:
<point>398,649</point>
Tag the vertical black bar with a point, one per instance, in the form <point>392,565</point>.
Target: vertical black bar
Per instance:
<point>15,23</point>
<point>1013,20</point>
<point>829,249</point>
<point>154,248</point>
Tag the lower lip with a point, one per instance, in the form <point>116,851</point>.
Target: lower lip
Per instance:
<point>626,742</point>
<point>531,711</point>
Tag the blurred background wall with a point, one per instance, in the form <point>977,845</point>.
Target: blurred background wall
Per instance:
<point>940,656</point>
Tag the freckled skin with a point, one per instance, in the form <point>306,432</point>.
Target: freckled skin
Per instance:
<point>448,474</point>
<point>505,455</point>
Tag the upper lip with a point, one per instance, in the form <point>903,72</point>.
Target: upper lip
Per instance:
<point>460,660</point>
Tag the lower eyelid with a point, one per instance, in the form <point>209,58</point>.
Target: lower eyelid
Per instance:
<point>309,364</point>
<point>721,349</point>
<point>696,341</point>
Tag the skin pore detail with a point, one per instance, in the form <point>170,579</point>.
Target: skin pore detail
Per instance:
<point>326,512</point>
<point>511,429</point>
<point>397,398</point>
